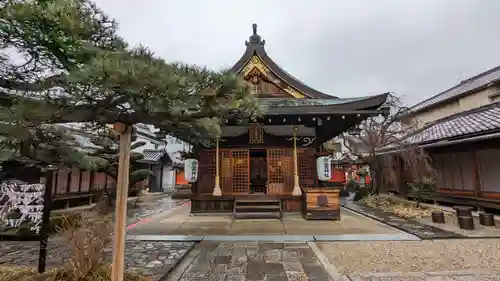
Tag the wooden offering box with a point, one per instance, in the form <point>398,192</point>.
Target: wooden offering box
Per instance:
<point>321,204</point>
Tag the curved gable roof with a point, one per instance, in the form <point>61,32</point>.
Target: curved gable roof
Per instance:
<point>255,45</point>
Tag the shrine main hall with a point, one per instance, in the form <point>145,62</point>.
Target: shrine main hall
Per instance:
<point>272,159</point>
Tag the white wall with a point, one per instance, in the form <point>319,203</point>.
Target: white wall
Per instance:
<point>145,134</point>
<point>468,102</point>
<point>176,145</point>
<point>151,144</point>
<point>168,179</point>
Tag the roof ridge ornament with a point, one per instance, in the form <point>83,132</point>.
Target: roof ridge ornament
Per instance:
<point>255,38</point>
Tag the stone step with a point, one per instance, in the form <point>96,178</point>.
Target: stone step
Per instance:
<point>257,207</point>
<point>257,215</point>
<point>237,201</point>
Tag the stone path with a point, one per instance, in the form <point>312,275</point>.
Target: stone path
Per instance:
<point>155,259</point>
<point>249,261</point>
<point>153,206</point>
<point>414,227</point>
<point>182,223</point>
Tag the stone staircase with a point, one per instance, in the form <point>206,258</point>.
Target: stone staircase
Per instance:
<point>257,209</point>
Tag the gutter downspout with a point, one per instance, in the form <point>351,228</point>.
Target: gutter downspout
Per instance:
<point>446,143</point>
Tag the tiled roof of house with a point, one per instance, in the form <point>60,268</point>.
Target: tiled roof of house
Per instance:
<point>472,84</point>
<point>152,156</point>
<point>176,157</point>
<point>478,121</point>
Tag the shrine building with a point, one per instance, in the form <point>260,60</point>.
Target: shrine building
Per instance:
<point>272,158</point>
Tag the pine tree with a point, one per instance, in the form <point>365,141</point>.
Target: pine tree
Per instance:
<point>62,61</point>
<point>105,157</point>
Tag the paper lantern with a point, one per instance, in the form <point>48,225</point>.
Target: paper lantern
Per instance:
<point>324,168</point>
<point>191,169</point>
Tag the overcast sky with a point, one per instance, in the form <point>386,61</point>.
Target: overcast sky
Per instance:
<point>414,48</point>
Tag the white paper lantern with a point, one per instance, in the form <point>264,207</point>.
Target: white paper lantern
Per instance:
<point>191,169</point>
<point>324,168</point>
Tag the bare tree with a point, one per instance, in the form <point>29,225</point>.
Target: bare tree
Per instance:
<point>379,135</point>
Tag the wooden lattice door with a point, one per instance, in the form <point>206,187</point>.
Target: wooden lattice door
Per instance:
<point>226,171</point>
<point>307,167</point>
<point>279,171</point>
<point>206,181</point>
<point>240,171</point>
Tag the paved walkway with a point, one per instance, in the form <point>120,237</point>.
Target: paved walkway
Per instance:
<point>241,261</point>
<point>151,205</point>
<point>182,223</point>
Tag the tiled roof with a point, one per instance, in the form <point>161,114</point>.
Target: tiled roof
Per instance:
<point>459,126</point>
<point>176,158</point>
<point>471,84</point>
<point>152,156</point>
<point>255,46</point>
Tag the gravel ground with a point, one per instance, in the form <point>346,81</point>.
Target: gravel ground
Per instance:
<point>414,256</point>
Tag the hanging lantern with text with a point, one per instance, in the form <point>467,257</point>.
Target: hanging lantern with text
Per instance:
<point>191,169</point>
<point>324,168</point>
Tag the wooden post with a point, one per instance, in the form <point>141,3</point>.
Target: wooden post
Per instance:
<point>125,132</point>
<point>47,206</point>
<point>296,186</point>
<point>476,172</point>
<point>217,190</point>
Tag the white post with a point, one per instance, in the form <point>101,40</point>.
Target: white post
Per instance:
<point>217,190</point>
<point>296,187</point>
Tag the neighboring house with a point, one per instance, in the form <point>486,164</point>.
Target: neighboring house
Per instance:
<point>145,134</point>
<point>159,162</point>
<point>346,157</point>
<point>480,90</point>
<point>74,183</point>
<point>156,158</point>
<point>354,145</point>
<point>174,148</point>
<point>460,129</point>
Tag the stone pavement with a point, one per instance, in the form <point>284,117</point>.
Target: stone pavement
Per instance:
<point>249,261</point>
<point>182,223</point>
<point>155,259</point>
<point>151,206</point>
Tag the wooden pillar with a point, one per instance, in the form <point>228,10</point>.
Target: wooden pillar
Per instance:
<point>56,183</point>
<point>476,172</point>
<point>68,180</point>
<point>91,185</point>
<point>80,180</point>
<point>125,132</point>
<point>161,176</point>
<point>296,185</point>
<point>217,190</point>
